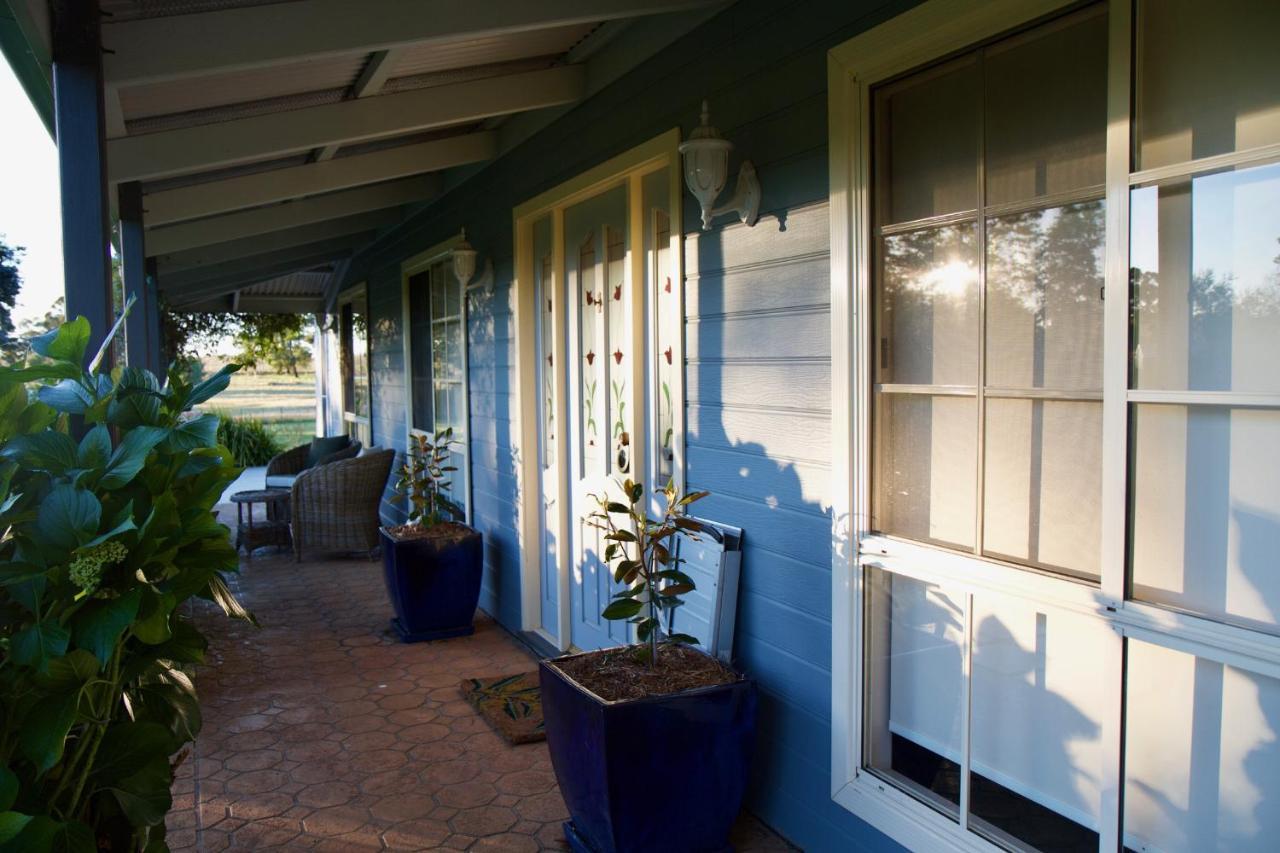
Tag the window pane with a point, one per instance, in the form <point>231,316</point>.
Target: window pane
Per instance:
<point>1036,723</point>
<point>452,291</point>
<point>618,312</point>
<point>1046,110</point>
<point>1044,483</point>
<point>1206,272</point>
<point>439,307</point>
<point>1202,755</point>
<point>929,308</point>
<point>1205,524</point>
<point>420,349</point>
<point>927,153</point>
<point>1206,78</point>
<point>915,686</point>
<point>926,467</point>
<point>1044,298</point>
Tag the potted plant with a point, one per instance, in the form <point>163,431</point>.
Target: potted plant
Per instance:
<point>107,485</point>
<point>621,723</point>
<point>432,563</point>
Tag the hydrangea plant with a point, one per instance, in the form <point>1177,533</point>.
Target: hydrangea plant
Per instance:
<point>107,485</point>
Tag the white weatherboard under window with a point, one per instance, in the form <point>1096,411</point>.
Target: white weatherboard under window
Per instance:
<point>1056,284</point>
<point>435,352</point>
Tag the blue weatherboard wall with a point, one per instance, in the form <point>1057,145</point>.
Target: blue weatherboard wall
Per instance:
<point>757,344</point>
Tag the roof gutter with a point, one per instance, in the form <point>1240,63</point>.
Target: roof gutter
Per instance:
<point>22,46</point>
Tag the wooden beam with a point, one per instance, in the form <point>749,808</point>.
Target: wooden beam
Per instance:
<point>82,166</point>
<point>177,46</point>
<point>247,223</point>
<point>266,187</point>
<point>192,149</point>
<point>185,280</point>
<point>261,244</point>
<point>372,76</point>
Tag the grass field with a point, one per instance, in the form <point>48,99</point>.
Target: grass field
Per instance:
<point>286,404</point>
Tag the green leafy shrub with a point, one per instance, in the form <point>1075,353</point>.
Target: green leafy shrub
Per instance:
<point>424,479</point>
<point>643,559</point>
<point>107,482</point>
<point>249,440</point>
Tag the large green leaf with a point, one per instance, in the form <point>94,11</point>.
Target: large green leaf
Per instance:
<point>211,387</point>
<point>8,788</point>
<point>193,434</point>
<point>129,747</point>
<point>68,516</point>
<point>50,451</point>
<point>99,625</point>
<point>152,624</point>
<point>95,448</point>
<point>145,796</point>
<point>43,834</point>
<point>43,734</point>
<point>66,343</point>
<point>35,644</point>
<point>137,400</point>
<point>67,396</point>
<point>69,672</point>
<point>11,824</point>
<point>129,457</point>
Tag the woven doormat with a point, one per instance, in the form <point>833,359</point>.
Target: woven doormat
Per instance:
<point>512,704</point>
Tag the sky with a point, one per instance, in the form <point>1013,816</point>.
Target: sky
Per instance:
<point>29,203</point>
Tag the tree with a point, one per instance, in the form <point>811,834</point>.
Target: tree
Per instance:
<point>10,284</point>
<point>279,340</point>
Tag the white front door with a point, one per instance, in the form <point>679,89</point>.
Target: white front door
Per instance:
<point>602,397</point>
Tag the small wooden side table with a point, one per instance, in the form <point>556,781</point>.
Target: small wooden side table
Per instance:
<point>271,529</point>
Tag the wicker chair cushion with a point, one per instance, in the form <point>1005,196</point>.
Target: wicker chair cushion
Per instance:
<point>322,447</point>
<point>281,481</point>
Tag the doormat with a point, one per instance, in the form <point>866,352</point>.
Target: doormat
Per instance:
<point>512,704</point>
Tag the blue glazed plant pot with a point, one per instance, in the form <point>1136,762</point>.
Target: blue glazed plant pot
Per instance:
<point>609,757</point>
<point>434,587</point>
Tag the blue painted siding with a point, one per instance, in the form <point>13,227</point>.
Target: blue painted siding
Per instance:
<point>758,349</point>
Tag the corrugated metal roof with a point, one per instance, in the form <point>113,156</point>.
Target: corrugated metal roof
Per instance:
<point>293,284</point>
<point>461,53</point>
<point>240,87</point>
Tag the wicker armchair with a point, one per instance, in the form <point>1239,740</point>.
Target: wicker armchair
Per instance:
<point>293,462</point>
<point>335,506</point>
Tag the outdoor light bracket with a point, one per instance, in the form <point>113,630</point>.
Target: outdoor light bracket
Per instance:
<point>706,170</point>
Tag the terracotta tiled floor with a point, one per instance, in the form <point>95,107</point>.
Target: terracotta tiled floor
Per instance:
<point>322,732</point>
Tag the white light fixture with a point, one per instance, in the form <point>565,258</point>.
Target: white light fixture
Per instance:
<point>706,168</point>
<point>464,260</point>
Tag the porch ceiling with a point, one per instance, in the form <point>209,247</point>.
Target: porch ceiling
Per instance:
<point>263,129</point>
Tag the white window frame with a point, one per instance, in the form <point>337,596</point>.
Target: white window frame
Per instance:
<point>422,262</point>
<point>628,168</point>
<point>913,39</point>
<point>351,294</point>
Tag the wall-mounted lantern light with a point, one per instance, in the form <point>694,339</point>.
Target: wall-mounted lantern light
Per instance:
<point>706,168</point>
<point>464,260</point>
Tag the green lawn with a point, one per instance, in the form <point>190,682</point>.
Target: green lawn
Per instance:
<point>285,404</point>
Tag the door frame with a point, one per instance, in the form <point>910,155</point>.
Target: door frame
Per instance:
<point>627,168</point>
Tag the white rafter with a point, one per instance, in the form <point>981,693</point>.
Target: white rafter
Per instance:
<point>247,223</point>
<point>175,46</point>
<point>210,146</point>
<point>214,197</point>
